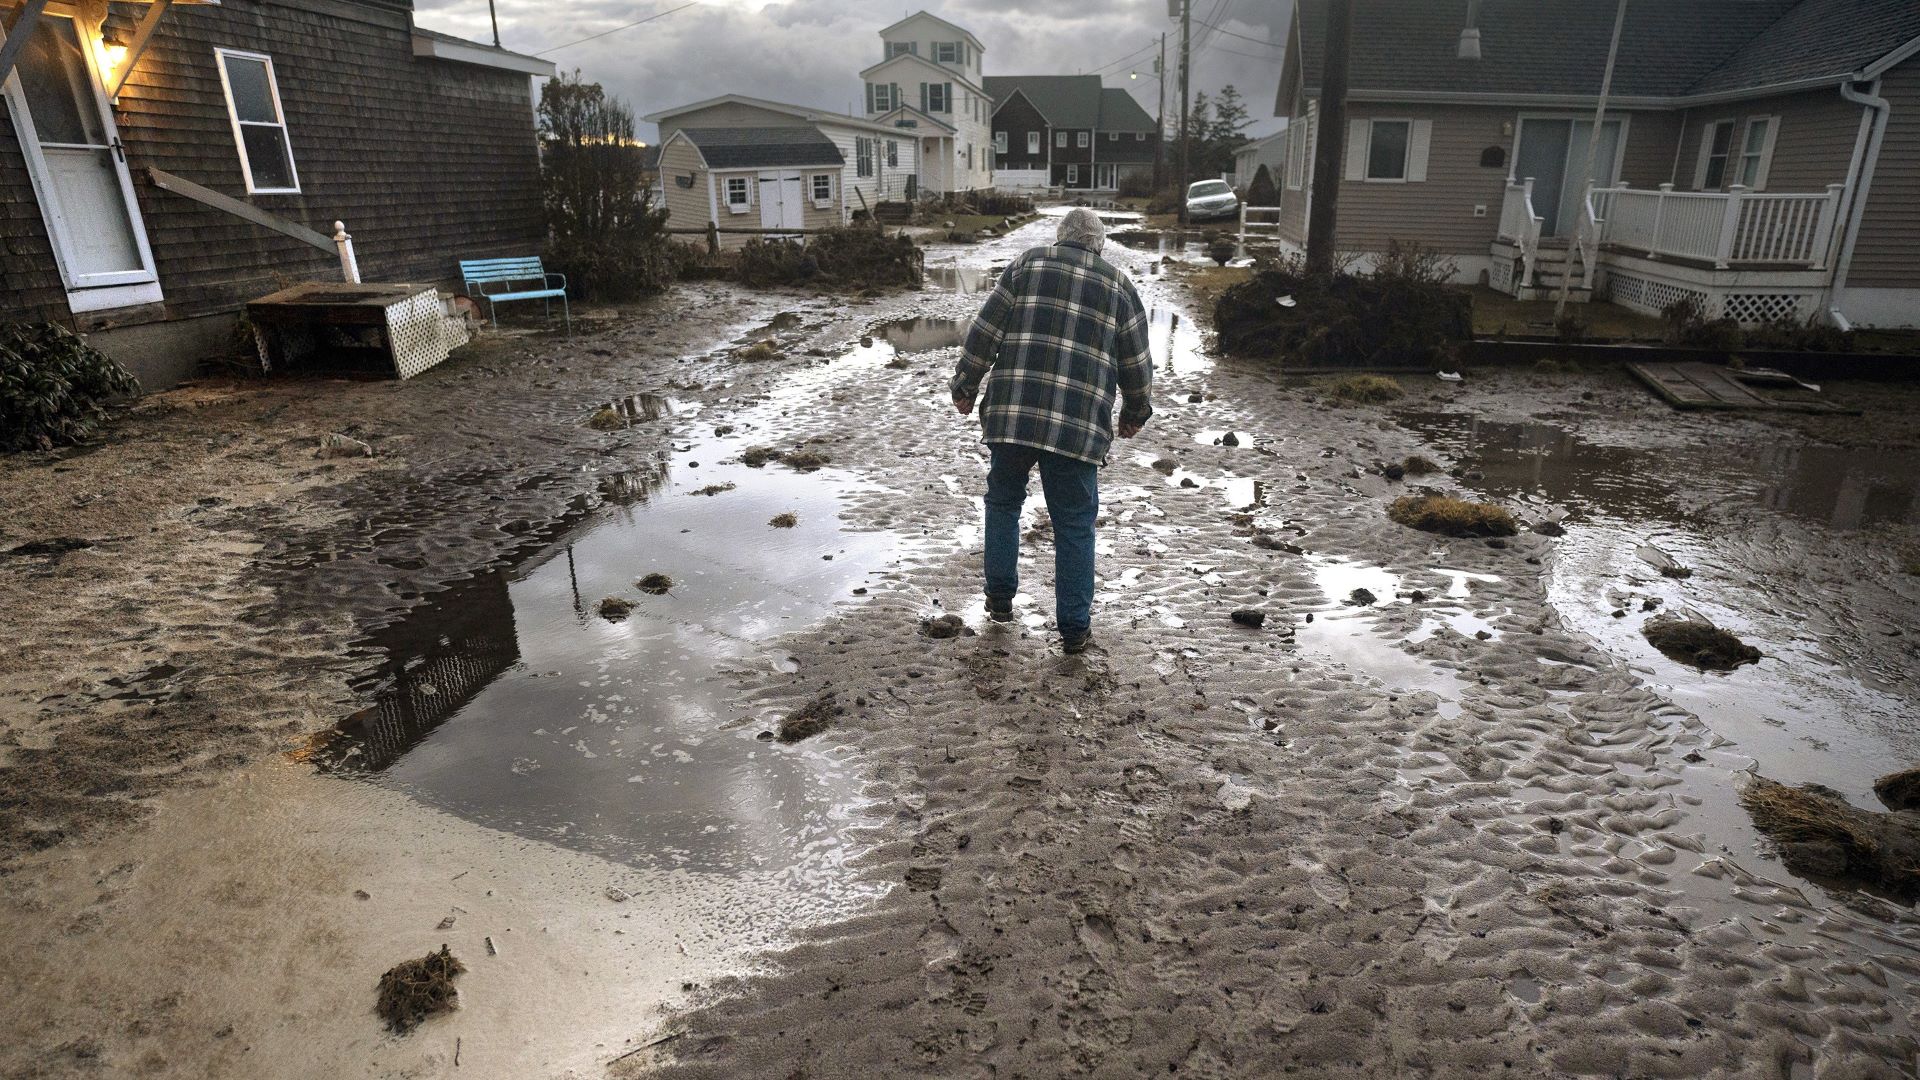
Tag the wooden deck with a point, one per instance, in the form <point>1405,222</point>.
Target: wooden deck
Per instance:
<point>1696,385</point>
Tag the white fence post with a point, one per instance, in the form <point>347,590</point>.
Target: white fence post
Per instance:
<point>1659,216</point>
<point>1823,231</point>
<point>349,266</point>
<point>1729,227</point>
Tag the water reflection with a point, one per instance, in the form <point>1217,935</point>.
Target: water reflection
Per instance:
<point>922,334</point>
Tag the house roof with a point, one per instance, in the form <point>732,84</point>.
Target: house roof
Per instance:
<point>946,73</point>
<point>1669,51</point>
<point>923,13</point>
<point>899,110</point>
<point>1119,111</point>
<point>804,112</point>
<point>1068,101</point>
<point>435,45</point>
<point>1258,144</point>
<point>762,147</point>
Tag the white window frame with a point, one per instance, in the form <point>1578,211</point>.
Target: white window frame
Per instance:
<point>233,115</point>
<point>1113,136</point>
<point>1761,159</point>
<point>1139,136</point>
<point>863,155</point>
<point>813,190</point>
<point>1083,139</point>
<point>1060,139</point>
<point>746,193</point>
<point>939,47</point>
<point>1705,165</point>
<point>1073,174</point>
<point>943,91</point>
<point>901,48</point>
<point>999,142</point>
<point>883,97</point>
<point>1406,155</point>
<point>893,153</point>
<point>1033,142</point>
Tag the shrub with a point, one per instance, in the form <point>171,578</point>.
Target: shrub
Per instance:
<point>1261,192</point>
<point>1689,327</point>
<point>54,386</point>
<point>854,256</point>
<point>1165,202</point>
<point>605,234</point>
<point>1136,184</point>
<point>1403,314</point>
<point>1368,389</point>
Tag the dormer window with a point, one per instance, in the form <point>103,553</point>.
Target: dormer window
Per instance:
<point>946,52</point>
<point>901,48</point>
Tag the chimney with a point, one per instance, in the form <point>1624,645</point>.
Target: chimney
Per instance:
<point>1470,36</point>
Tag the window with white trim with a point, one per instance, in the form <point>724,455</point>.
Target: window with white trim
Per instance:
<point>1755,149</point>
<point>893,153</point>
<point>822,189</point>
<point>1083,140</point>
<point>1060,139</point>
<point>939,97</point>
<point>1387,142</point>
<point>900,48</point>
<point>259,125</point>
<point>999,142</point>
<point>1139,136</point>
<point>737,194</point>
<point>1033,142</point>
<point>862,156</point>
<point>1716,144</point>
<point>946,52</point>
<point>1113,136</point>
<point>881,97</point>
<point>1073,174</point>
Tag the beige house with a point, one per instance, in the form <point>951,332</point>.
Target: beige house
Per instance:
<point>1758,157</point>
<point>928,84</point>
<point>879,159</point>
<point>752,177</point>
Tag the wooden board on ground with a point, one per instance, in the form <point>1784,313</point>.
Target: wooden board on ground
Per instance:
<point>1696,385</point>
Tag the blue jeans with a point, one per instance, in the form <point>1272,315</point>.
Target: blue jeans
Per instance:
<point>1072,489</point>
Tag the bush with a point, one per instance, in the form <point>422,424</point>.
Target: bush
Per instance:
<point>1366,389</point>
<point>1403,314</point>
<point>855,256</point>
<point>1689,327</point>
<point>605,234</point>
<point>1261,191</point>
<point>54,386</point>
<point>1136,184</point>
<point>1164,202</point>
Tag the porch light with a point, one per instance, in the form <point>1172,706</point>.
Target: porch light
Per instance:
<point>110,57</point>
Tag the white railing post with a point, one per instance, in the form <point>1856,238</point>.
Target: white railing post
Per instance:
<point>1729,227</point>
<point>349,266</point>
<point>1823,231</point>
<point>1659,216</point>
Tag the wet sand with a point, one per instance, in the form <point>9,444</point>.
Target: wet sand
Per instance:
<point>1373,843</point>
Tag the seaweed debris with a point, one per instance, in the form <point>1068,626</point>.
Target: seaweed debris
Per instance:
<point>413,990</point>
<point>1450,516</point>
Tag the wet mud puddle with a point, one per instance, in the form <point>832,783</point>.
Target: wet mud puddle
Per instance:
<point>511,701</point>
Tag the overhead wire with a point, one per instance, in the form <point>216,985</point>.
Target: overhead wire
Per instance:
<point>617,29</point>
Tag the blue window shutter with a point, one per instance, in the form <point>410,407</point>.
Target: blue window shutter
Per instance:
<point>947,96</point>
<point>870,105</point>
<point>923,97</point>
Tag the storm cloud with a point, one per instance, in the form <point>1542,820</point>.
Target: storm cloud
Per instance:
<point>810,52</point>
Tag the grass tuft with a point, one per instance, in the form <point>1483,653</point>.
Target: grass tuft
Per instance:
<point>1366,389</point>
<point>654,584</point>
<point>1451,517</point>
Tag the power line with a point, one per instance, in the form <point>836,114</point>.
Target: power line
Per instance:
<point>1231,52</point>
<point>1243,37</point>
<point>1107,67</point>
<point>617,29</point>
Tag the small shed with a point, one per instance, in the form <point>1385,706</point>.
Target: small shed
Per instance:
<point>775,178</point>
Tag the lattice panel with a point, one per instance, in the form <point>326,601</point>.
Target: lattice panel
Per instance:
<point>1748,308</point>
<point>1654,297</point>
<point>417,329</point>
<point>1500,275</point>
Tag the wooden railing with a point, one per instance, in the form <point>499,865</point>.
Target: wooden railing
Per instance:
<point>1520,225</point>
<point>1722,228</point>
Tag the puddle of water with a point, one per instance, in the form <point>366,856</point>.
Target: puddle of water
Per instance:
<point>965,280</point>
<point>923,334</point>
<point>1175,342</point>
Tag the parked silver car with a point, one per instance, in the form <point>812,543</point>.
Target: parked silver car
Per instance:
<point>1211,200</point>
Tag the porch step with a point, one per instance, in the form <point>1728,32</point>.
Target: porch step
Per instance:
<point>1576,295</point>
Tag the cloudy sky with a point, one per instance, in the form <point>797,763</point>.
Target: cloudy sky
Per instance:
<point>810,52</point>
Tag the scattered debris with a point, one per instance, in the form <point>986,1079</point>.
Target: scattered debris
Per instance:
<point>809,719</point>
<point>944,626</point>
<point>416,989</point>
<point>1821,836</point>
<point>721,431</point>
<point>1415,465</point>
<point>1451,517</point>
<point>1362,598</point>
<point>759,455</point>
<point>1250,617</point>
<point>763,349</point>
<point>1366,389</point>
<point>1165,466</point>
<point>1274,543</point>
<point>606,419</point>
<point>655,584</point>
<point>712,489</point>
<point>1549,528</point>
<point>1229,439</point>
<point>1448,376</point>
<point>1900,791</point>
<point>805,460</point>
<point>1698,643</point>
<point>618,895</point>
<point>335,445</point>
<point>1661,561</point>
<point>57,546</point>
<point>614,608</point>
<point>784,521</point>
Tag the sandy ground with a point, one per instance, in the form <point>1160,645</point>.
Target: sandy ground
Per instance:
<point>1362,841</point>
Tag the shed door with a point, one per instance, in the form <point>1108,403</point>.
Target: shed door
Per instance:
<point>782,202</point>
<point>78,166</point>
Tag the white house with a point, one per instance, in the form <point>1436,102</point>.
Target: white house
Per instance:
<point>878,161</point>
<point>1270,151</point>
<point>928,82</point>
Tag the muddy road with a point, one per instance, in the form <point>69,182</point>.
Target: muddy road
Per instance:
<point>287,721</point>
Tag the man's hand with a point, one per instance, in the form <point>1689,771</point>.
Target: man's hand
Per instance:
<point>963,407</point>
<point>1127,430</point>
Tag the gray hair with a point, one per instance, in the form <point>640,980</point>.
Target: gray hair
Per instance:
<point>1084,227</point>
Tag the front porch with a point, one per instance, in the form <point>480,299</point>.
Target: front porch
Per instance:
<point>1749,256</point>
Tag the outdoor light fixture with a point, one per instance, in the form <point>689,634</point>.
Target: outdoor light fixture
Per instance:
<point>110,57</point>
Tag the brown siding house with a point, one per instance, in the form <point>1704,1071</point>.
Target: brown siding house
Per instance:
<point>308,111</point>
<point>1758,157</point>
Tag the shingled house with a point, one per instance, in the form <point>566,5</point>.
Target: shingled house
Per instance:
<point>1066,131</point>
<point>1760,158</point>
<point>166,162</point>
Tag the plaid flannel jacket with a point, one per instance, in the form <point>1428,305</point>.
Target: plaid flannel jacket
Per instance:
<point>1061,333</point>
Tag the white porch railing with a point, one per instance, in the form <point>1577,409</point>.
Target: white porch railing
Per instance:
<point>1259,219</point>
<point>1520,225</point>
<point>1721,228</point>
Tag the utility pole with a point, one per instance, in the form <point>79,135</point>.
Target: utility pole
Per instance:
<point>1330,139</point>
<point>1586,174</point>
<point>1160,120</point>
<point>1186,136</point>
<point>495,16</point>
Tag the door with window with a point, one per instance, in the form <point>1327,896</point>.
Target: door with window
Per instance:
<point>782,202</point>
<point>79,169</point>
<point>1554,152</point>
<point>1105,177</point>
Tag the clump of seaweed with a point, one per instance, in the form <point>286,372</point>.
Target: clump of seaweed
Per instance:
<point>1698,643</point>
<point>654,584</point>
<point>1821,836</point>
<point>759,455</point>
<point>1366,389</point>
<point>712,489</point>
<point>763,349</point>
<point>809,719</point>
<point>416,989</point>
<point>784,521</point>
<point>806,460</point>
<point>1415,465</point>
<point>606,419</point>
<point>1900,791</point>
<point>614,608</point>
<point>1450,516</point>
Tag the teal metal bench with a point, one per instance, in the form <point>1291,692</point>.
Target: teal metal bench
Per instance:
<point>506,274</point>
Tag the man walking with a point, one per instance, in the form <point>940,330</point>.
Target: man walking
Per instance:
<point>1062,334</point>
